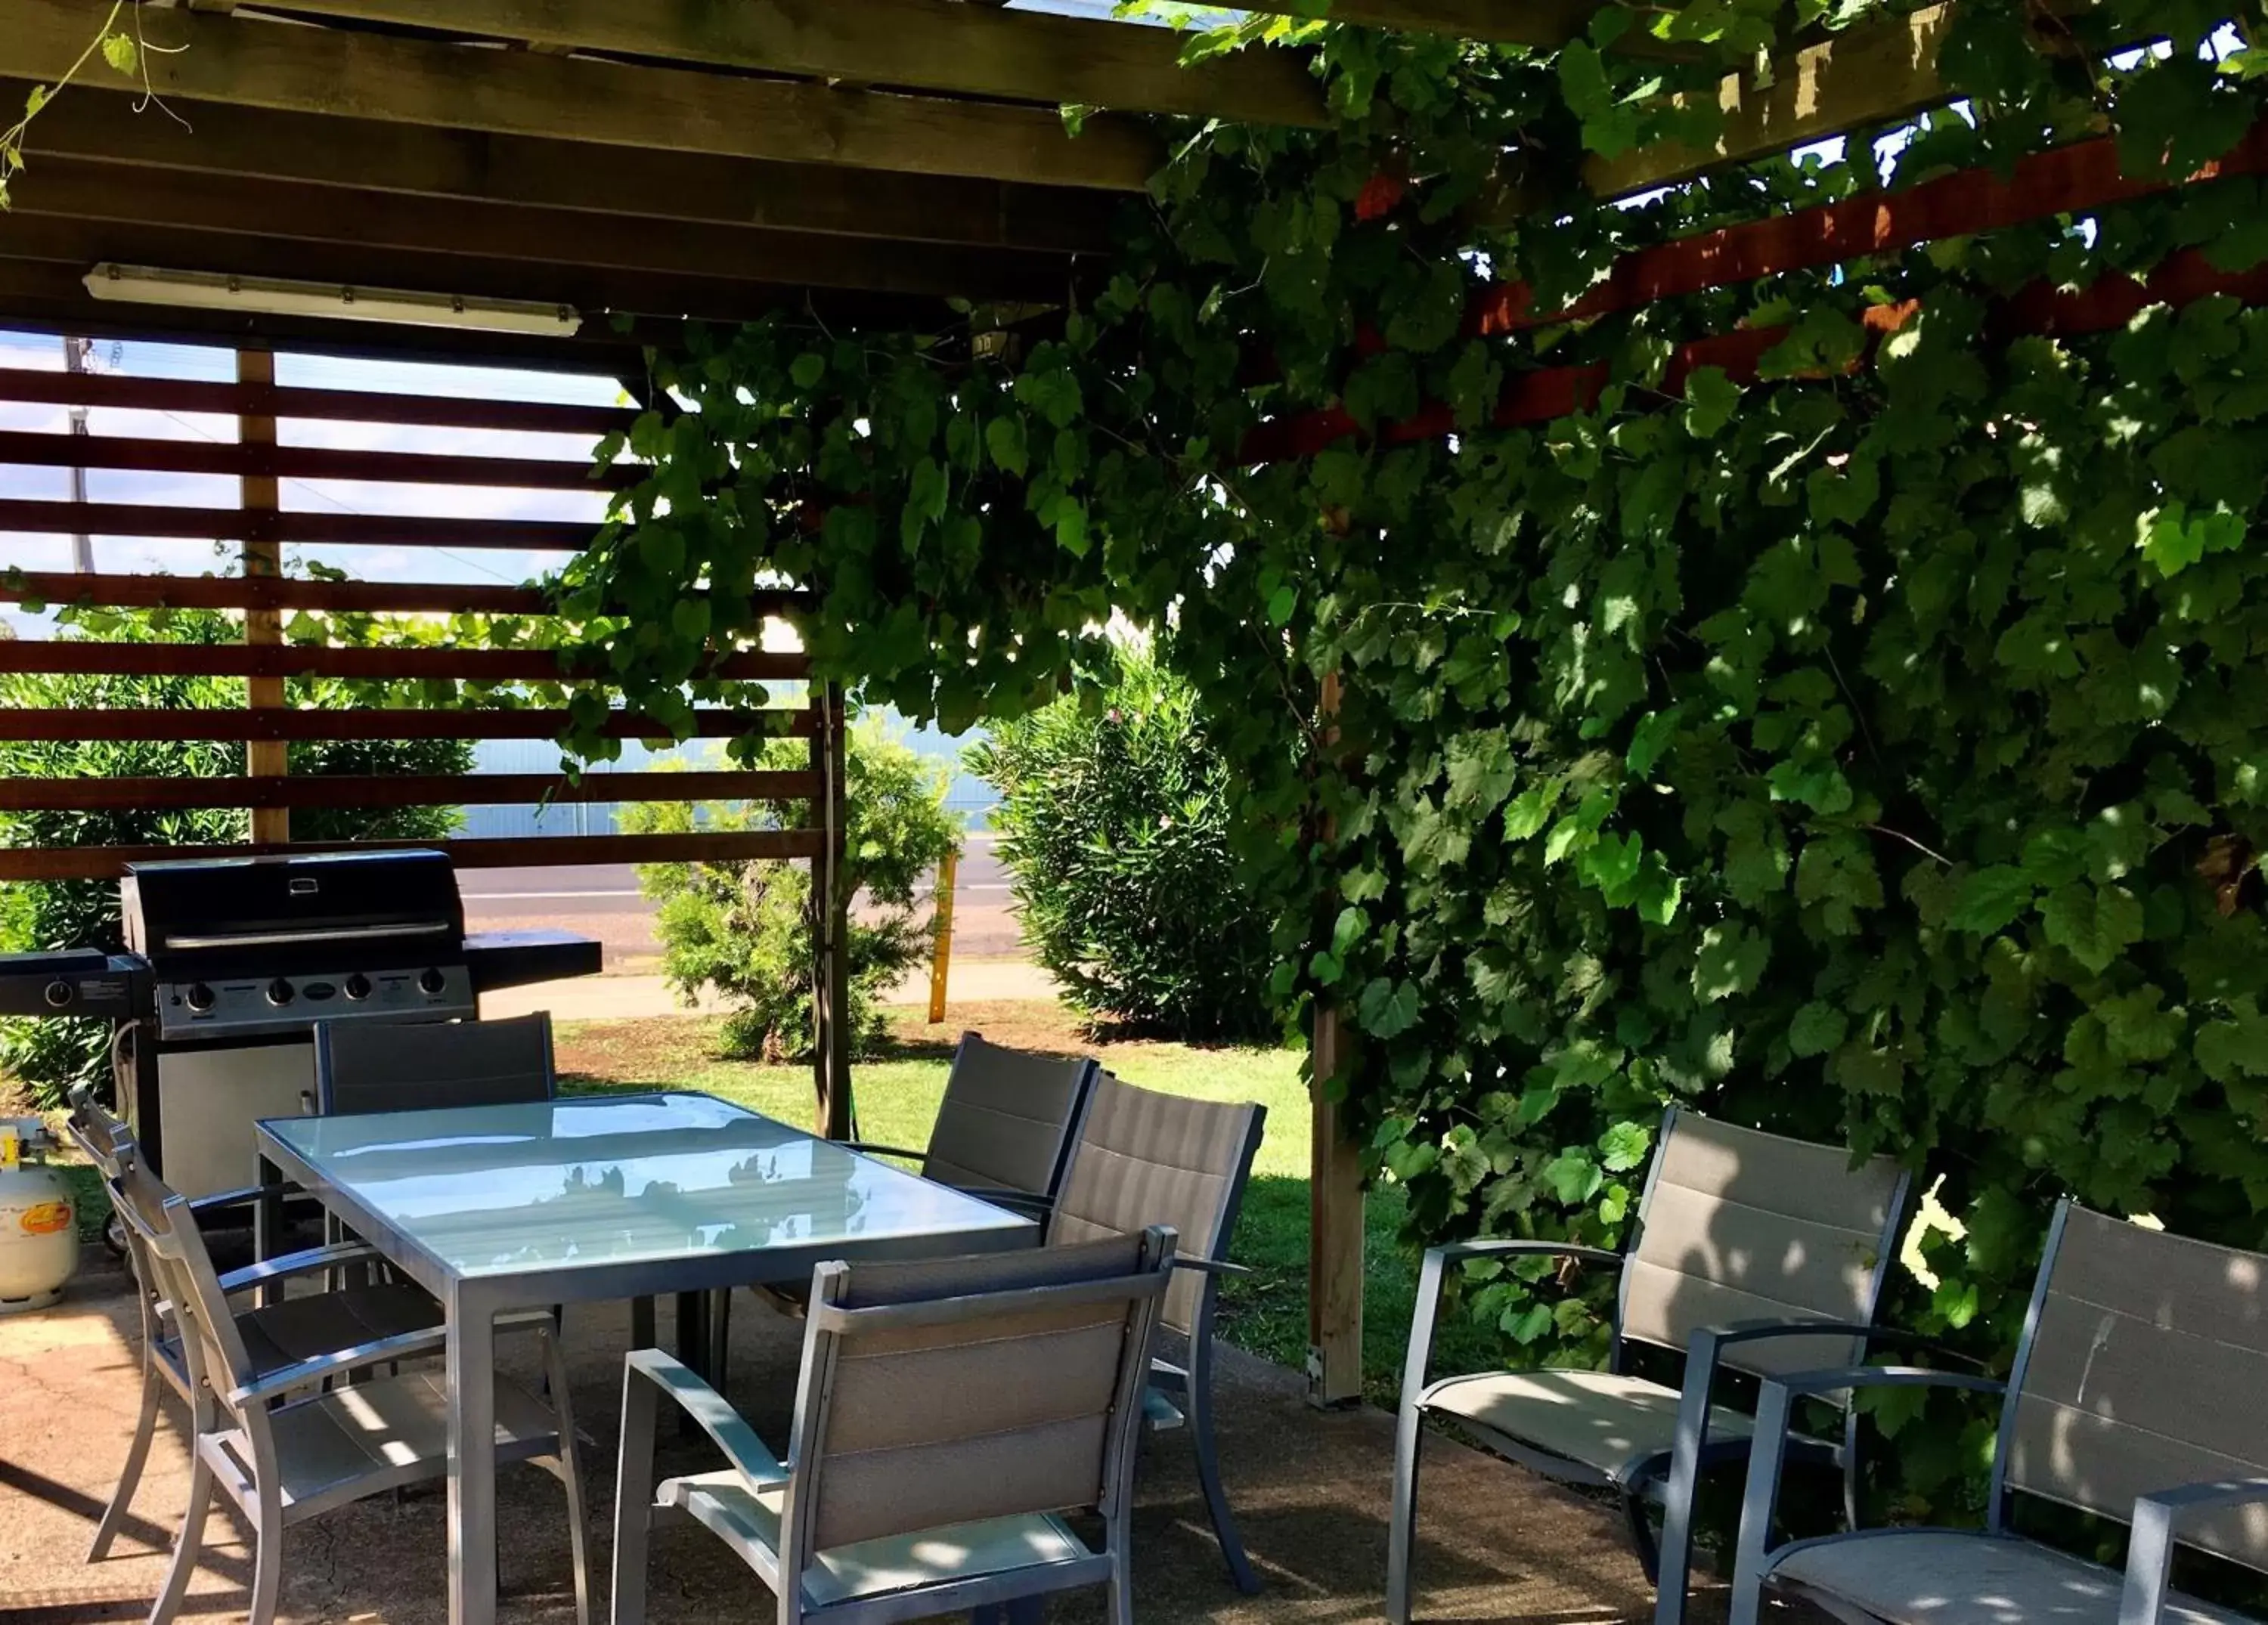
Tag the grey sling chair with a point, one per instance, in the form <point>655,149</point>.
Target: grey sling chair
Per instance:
<point>279,1335</point>
<point>1006,1122</point>
<point>400,1066</point>
<point>284,1447</point>
<point>949,1413</point>
<point>2136,1394</point>
<point>1142,1158</point>
<point>1751,1252</point>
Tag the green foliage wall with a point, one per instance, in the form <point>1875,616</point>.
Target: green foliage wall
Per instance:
<point>51,1055</point>
<point>742,928</point>
<point>1874,753</point>
<point>1118,820</point>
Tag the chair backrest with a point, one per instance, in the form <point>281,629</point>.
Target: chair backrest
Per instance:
<point>1143,1159</point>
<point>943,1392</point>
<point>1006,1122</point>
<point>1738,1224</point>
<point>383,1066</point>
<point>167,1241</point>
<point>2144,1360</point>
<point>101,1138</point>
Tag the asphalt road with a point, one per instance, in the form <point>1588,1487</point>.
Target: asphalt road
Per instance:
<point>603,901</point>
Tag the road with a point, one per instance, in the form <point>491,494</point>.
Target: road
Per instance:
<point>603,901</point>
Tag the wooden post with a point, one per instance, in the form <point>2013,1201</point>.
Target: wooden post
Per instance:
<point>941,959</point>
<point>830,983</point>
<point>263,556</point>
<point>1335,1203</point>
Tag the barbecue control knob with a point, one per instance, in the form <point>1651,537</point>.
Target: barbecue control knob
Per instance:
<point>201,997</point>
<point>279,991</point>
<point>58,994</point>
<point>430,981</point>
<point>358,985</point>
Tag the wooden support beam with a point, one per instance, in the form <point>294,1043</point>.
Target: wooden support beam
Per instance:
<point>1874,73</point>
<point>1503,22</point>
<point>277,661</point>
<point>925,45</point>
<point>81,189</point>
<point>625,186</point>
<point>439,789</point>
<point>373,597</point>
<point>265,460</point>
<point>28,516</point>
<point>263,628</point>
<point>1334,1197</point>
<point>830,905</point>
<point>285,723</point>
<point>108,863</point>
<point>251,62</point>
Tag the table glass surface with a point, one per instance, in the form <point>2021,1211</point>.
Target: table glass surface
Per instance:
<point>501,1190</point>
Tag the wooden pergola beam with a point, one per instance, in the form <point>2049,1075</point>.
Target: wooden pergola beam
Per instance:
<point>367,153</point>
<point>73,189</point>
<point>925,45</point>
<point>1501,22</point>
<point>246,61</point>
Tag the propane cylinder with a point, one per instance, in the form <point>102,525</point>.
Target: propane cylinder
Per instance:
<point>39,1224</point>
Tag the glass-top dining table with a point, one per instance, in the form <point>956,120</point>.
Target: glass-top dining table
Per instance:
<point>503,1208</point>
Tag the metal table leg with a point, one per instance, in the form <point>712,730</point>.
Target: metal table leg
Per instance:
<point>471,1376</point>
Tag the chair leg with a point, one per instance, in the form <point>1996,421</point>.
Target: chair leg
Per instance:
<point>1401,1521</point>
<point>571,1475</point>
<point>1223,1522</point>
<point>718,1323</point>
<point>1121,1589</point>
<point>642,1334</point>
<point>633,1501</point>
<point>138,1457</point>
<point>1642,1536</point>
<point>266,1567</point>
<point>187,1545</point>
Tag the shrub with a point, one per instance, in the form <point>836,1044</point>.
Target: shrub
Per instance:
<point>51,1055</point>
<point>1115,820</point>
<point>744,927</point>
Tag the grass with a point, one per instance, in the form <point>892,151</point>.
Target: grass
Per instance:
<point>897,1097</point>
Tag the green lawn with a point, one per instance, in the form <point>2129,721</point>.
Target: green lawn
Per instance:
<point>897,1098</point>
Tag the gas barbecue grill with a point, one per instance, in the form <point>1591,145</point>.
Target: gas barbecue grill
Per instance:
<point>230,962</point>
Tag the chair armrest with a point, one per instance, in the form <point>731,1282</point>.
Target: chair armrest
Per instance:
<point>867,1147</point>
<point>340,1362</point>
<point>1769,1453</point>
<point>1029,1203</point>
<point>1436,1264</point>
<point>303,1262</point>
<point>2149,1556</point>
<point>222,1201</point>
<point>1211,1265</point>
<point>714,1415</point>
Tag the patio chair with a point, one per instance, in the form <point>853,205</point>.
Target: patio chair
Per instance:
<point>265,1431</point>
<point>1006,1122</point>
<point>948,1415</point>
<point>282,1334</point>
<point>1751,1251</point>
<point>399,1066</point>
<point>1142,1158</point>
<point>2135,1396</point>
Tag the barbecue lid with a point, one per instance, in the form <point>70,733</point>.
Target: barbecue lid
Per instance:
<point>295,905</point>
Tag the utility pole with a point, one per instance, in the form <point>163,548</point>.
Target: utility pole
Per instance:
<point>75,358</point>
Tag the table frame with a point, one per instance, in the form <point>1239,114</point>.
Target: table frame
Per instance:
<point>473,1303</point>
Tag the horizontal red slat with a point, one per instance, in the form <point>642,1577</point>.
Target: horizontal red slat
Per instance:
<point>28,448</point>
<point>1553,391</point>
<point>107,863</point>
<point>120,592</point>
<point>344,789</point>
<point>488,665</point>
<point>351,406</point>
<point>283,723</point>
<point>119,518</point>
<point>2067,180</point>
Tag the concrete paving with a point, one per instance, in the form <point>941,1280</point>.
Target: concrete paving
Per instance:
<point>1311,1489</point>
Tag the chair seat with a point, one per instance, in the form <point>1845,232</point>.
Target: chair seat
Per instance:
<point>1932,1576</point>
<point>748,1517</point>
<point>1614,1424</point>
<point>357,1440</point>
<point>301,1328</point>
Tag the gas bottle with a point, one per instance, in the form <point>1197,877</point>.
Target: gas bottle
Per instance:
<point>39,1224</point>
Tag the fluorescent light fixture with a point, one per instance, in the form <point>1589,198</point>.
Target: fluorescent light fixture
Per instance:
<point>143,285</point>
